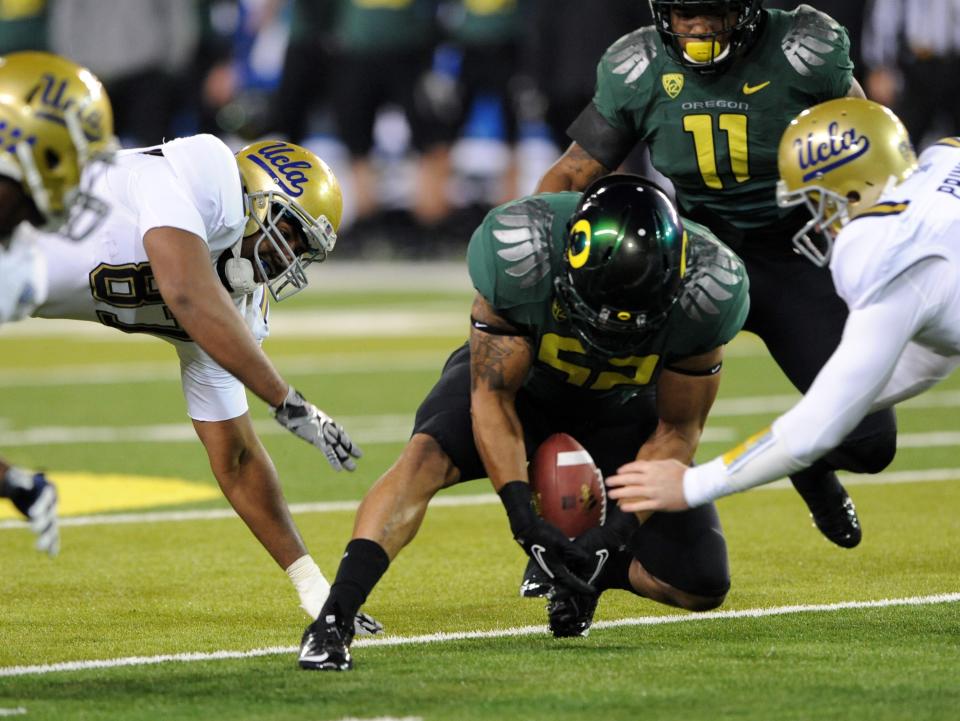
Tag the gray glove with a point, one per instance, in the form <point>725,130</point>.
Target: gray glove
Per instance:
<point>305,420</point>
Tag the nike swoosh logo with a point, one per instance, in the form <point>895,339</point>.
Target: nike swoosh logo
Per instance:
<point>602,555</point>
<point>537,550</point>
<point>750,90</point>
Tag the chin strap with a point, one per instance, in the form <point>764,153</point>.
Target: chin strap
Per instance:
<point>238,272</point>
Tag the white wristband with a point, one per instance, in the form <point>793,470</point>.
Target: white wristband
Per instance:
<point>762,458</point>
<point>310,583</point>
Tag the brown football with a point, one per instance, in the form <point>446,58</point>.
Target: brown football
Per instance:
<point>567,486</point>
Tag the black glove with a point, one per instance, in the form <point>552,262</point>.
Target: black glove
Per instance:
<point>542,541</point>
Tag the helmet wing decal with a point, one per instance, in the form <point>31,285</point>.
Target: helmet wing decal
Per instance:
<point>526,233</point>
<point>716,271</point>
<point>811,38</point>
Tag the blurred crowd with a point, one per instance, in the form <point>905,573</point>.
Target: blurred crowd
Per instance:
<point>429,111</point>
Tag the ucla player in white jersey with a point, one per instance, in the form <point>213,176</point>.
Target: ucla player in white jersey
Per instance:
<point>55,121</point>
<point>888,225</point>
<point>195,238</point>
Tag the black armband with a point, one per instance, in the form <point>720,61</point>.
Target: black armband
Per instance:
<point>497,330</point>
<point>607,145</point>
<point>711,371</point>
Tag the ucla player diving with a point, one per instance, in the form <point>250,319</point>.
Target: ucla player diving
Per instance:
<point>889,228</point>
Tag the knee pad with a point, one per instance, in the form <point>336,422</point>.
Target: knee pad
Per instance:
<point>687,552</point>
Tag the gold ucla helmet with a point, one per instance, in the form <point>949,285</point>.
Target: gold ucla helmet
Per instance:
<point>283,181</point>
<point>55,117</point>
<point>838,158</point>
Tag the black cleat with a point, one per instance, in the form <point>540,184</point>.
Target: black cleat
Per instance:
<point>325,646</point>
<point>536,583</point>
<point>571,614</point>
<point>837,519</point>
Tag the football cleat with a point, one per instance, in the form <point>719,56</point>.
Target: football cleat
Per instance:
<point>535,583</point>
<point>38,503</point>
<point>571,614</point>
<point>325,646</point>
<point>837,520</point>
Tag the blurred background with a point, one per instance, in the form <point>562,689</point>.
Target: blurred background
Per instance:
<point>429,111</point>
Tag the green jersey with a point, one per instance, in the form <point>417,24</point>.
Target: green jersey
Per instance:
<point>513,258</point>
<point>485,22</point>
<point>379,25</point>
<point>715,136</point>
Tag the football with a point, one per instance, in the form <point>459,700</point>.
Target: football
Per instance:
<point>567,486</point>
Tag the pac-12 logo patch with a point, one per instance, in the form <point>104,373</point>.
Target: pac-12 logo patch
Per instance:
<point>672,83</point>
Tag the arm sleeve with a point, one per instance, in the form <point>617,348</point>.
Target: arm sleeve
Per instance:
<point>844,391</point>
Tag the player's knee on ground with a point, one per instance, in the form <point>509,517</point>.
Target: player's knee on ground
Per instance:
<point>870,447</point>
<point>688,552</point>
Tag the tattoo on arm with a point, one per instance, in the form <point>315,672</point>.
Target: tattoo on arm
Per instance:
<point>583,167</point>
<point>494,360</point>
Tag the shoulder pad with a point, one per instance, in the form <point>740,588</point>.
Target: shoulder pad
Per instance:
<point>713,277</point>
<point>631,55</point>
<point>522,235</point>
<point>811,37</point>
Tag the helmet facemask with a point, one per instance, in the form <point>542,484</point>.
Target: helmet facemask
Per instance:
<point>318,233</point>
<point>705,53</point>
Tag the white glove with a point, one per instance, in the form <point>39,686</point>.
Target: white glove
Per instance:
<point>36,498</point>
<point>304,419</point>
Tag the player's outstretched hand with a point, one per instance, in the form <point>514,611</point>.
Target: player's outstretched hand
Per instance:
<point>648,486</point>
<point>305,420</point>
<point>543,542</point>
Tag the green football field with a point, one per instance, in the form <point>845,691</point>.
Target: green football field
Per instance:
<point>162,605</point>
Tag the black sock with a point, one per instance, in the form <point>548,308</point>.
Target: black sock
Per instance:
<point>364,563</point>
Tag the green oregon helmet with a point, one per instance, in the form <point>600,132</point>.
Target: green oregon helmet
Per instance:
<point>838,158</point>
<point>283,181</point>
<point>711,51</point>
<point>55,118</point>
<point>623,265</point>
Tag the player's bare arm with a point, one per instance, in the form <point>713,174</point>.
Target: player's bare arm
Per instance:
<point>685,394</point>
<point>574,170</point>
<point>499,364</point>
<point>249,480</point>
<point>190,288</point>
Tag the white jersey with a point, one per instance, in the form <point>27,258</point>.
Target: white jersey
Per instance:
<point>23,276</point>
<point>897,266</point>
<point>192,184</point>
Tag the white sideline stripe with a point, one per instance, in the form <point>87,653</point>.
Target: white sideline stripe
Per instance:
<point>880,479</point>
<point>364,429</point>
<point>320,365</point>
<point>573,458</point>
<point>220,513</point>
<point>471,635</point>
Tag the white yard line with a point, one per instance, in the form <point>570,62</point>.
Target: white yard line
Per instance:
<point>471,635</point>
<point>480,499</point>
